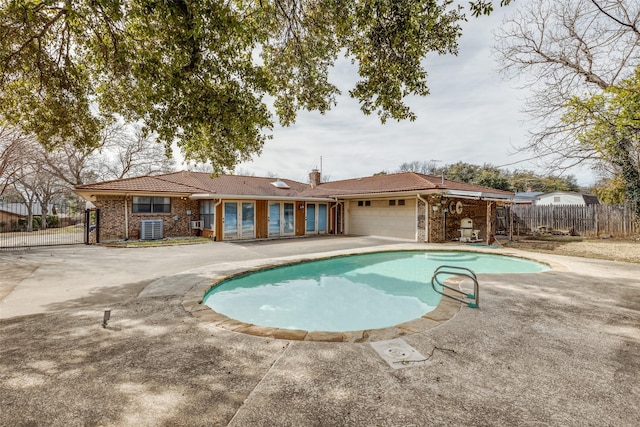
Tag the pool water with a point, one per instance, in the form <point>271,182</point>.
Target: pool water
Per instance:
<point>349,293</point>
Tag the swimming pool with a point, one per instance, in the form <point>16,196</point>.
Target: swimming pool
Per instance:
<point>356,292</point>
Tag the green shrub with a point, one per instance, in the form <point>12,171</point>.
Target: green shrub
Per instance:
<point>36,223</point>
<point>53,221</point>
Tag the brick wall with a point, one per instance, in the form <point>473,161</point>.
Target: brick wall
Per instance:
<point>112,218</point>
<point>474,209</point>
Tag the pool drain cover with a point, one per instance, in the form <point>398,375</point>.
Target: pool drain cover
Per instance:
<point>398,354</point>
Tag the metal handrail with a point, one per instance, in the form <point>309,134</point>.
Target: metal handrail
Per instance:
<point>457,271</point>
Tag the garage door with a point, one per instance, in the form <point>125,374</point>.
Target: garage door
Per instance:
<point>383,218</point>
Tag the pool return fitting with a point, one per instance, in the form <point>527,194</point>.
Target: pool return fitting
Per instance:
<point>452,270</point>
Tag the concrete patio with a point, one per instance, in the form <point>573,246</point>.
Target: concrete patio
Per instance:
<point>555,348</point>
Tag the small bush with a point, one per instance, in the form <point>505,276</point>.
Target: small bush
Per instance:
<point>36,223</point>
<point>53,221</point>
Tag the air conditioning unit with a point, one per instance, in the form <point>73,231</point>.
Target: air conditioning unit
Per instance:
<point>151,229</point>
<point>196,225</point>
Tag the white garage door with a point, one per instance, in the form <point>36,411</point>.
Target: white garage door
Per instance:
<point>382,219</point>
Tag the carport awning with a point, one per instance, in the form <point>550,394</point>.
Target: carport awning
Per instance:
<point>479,195</point>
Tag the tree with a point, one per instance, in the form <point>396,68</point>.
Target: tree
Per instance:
<point>32,183</point>
<point>189,70</point>
<point>13,146</point>
<point>423,167</point>
<point>460,171</point>
<point>571,50</point>
<point>492,177</point>
<point>522,180</point>
<point>131,152</point>
<point>610,191</point>
<point>609,123</point>
<point>123,151</point>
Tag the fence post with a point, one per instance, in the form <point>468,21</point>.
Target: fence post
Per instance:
<point>97,225</point>
<point>87,219</point>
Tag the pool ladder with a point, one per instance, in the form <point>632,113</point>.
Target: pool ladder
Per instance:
<point>457,271</point>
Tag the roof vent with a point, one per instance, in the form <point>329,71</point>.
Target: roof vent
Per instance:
<point>280,184</point>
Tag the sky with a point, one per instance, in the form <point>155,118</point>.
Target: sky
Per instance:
<point>472,115</point>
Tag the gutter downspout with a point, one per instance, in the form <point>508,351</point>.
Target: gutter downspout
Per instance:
<point>426,217</point>
<point>338,229</point>
<point>335,217</point>
<point>336,226</point>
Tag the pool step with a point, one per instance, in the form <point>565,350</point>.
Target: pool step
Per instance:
<point>444,272</point>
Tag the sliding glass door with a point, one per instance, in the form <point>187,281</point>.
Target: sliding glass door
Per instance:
<point>238,220</point>
<point>281,219</point>
<point>317,218</point>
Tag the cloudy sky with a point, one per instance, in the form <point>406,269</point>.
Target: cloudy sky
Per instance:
<point>471,115</point>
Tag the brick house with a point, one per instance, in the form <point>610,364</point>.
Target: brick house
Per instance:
<point>406,205</point>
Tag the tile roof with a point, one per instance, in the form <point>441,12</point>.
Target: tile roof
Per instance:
<point>203,183</point>
<point>237,184</point>
<point>398,182</point>
<point>153,184</point>
<point>199,182</point>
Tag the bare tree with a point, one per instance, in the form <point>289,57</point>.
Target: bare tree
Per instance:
<point>81,165</point>
<point>13,147</point>
<point>236,171</point>
<point>423,167</point>
<point>563,49</point>
<point>33,182</point>
<point>131,152</point>
<point>123,151</point>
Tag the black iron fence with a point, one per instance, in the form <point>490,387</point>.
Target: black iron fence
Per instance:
<point>24,226</point>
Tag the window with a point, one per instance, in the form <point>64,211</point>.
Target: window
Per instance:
<point>392,202</point>
<point>151,205</point>
<point>401,202</point>
<point>367,202</point>
<point>360,203</point>
<point>556,199</point>
<point>206,213</point>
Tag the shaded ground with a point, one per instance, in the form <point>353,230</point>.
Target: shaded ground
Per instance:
<point>556,348</point>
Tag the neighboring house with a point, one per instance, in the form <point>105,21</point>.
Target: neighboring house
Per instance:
<point>231,207</point>
<point>526,197</point>
<point>11,213</point>
<point>565,198</point>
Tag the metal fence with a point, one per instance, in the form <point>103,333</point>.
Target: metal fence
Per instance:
<point>24,226</point>
<point>588,221</point>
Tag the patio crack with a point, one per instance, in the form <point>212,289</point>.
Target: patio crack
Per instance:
<point>275,362</point>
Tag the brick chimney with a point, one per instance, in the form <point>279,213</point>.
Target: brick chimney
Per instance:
<point>314,178</point>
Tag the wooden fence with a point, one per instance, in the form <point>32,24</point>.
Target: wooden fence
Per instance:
<point>589,221</point>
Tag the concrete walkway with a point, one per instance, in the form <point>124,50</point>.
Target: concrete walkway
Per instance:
<point>554,348</point>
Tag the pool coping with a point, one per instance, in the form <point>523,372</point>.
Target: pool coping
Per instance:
<point>446,309</point>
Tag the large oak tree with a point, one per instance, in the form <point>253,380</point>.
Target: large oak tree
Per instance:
<point>198,72</point>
